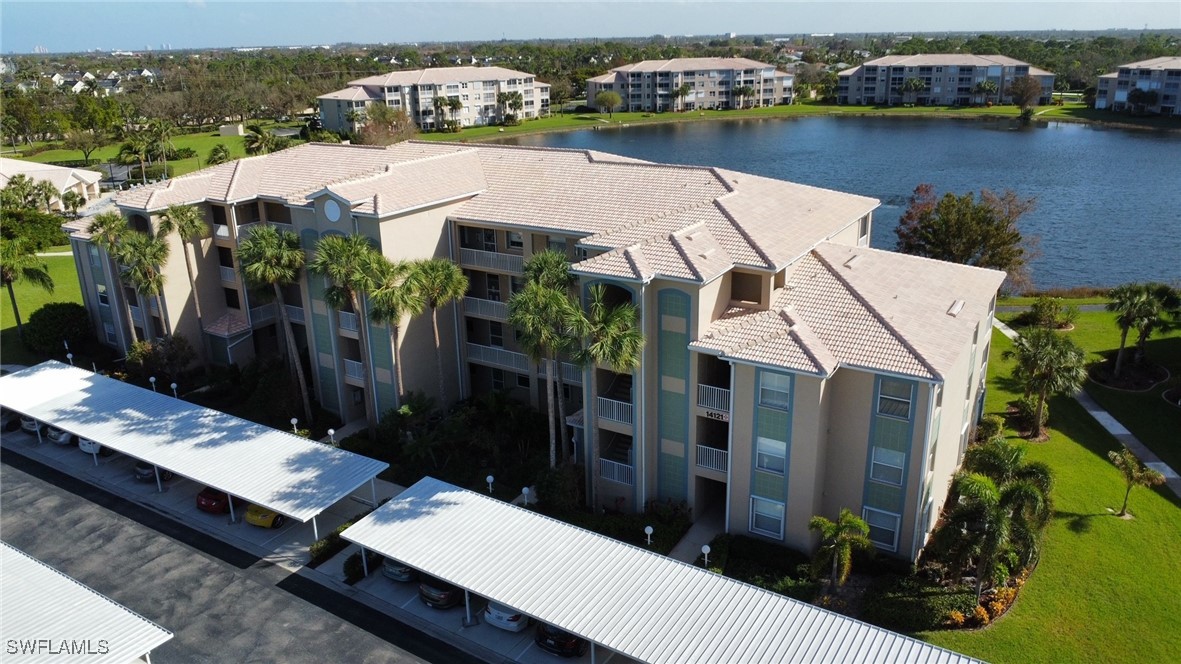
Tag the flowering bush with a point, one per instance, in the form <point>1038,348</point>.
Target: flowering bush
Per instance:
<point>980,616</point>
<point>955,619</point>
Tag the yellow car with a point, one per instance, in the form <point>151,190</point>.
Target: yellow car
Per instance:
<point>262,517</point>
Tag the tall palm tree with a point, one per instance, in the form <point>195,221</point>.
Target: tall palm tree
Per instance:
<point>258,140</point>
<point>985,89</point>
<point>1161,303</point>
<point>1134,473</point>
<point>742,92</point>
<point>551,270</point>
<point>392,300</point>
<point>912,86</point>
<point>273,258</point>
<point>543,317</point>
<point>44,192</point>
<point>1130,304</point>
<point>218,154</point>
<point>438,281</point>
<point>610,335</point>
<point>137,146</point>
<point>838,539</point>
<point>440,105</point>
<point>19,263</point>
<point>107,231</point>
<point>680,92</point>
<point>189,224</point>
<point>142,255</point>
<point>347,263</point>
<point>160,132</point>
<point>1047,363</point>
<point>455,105</point>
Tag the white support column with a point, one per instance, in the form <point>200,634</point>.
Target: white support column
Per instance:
<point>364,561</point>
<point>159,484</point>
<point>95,455</point>
<point>315,529</point>
<point>373,490</point>
<point>467,607</point>
<point>230,502</point>
<point>39,441</point>
<point>593,652</point>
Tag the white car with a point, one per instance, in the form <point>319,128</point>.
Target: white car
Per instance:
<point>58,435</point>
<point>90,447</point>
<point>505,618</point>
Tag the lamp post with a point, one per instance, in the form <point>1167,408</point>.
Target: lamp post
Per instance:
<point>173,386</point>
<point>705,552</point>
<point>332,437</point>
<point>70,357</point>
<point>295,425</point>
<point>489,481</point>
<point>525,493</point>
<point>648,533</point>
<point>152,380</point>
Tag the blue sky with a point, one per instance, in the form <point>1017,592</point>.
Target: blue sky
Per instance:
<point>97,24</point>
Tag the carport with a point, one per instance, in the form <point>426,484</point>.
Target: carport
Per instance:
<point>290,475</point>
<point>50,616</point>
<point>640,604</point>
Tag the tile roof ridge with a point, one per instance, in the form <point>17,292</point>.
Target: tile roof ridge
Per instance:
<point>794,331</point>
<point>681,251</point>
<point>647,220</point>
<point>742,231</point>
<point>877,315</point>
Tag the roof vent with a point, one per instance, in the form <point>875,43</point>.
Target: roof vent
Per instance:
<point>852,261</point>
<point>955,308</point>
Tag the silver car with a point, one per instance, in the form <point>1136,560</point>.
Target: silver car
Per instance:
<point>505,618</point>
<point>58,436</point>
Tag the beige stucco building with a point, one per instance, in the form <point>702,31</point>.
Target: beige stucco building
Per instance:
<point>414,91</point>
<point>81,181</point>
<point>652,85</point>
<point>1159,78</point>
<point>949,79</point>
<point>789,369</point>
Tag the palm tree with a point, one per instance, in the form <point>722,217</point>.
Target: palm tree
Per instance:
<point>273,258</point>
<point>742,92</point>
<point>44,192</point>
<point>455,105</point>
<point>1162,303</point>
<point>837,541</point>
<point>72,201</point>
<point>393,299</point>
<point>218,154</point>
<point>680,92</point>
<point>258,140</point>
<point>912,86</point>
<point>189,224</point>
<point>160,134</point>
<point>543,317</point>
<point>1130,304</point>
<point>1047,363</point>
<point>1004,461</point>
<point>107,231</point>
<point>440,104</point>
<point>142,255</point>
<point>437,282</point>
<point>610,336</point>
<point>136,147</point>
<point>985,89</point>
<point>347,262</point>
<point>1134,473</point>
<point>18,263</point>
<point>551,270</point>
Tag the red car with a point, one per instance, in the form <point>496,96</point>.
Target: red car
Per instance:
<point>215,502</point>
<point>558,642</point>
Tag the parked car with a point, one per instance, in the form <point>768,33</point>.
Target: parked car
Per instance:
<point>505,618</point>
<point>257,515</point>
<point>438,594</point>
<point>215,502</point>
<point>146,472</point>
<point>558,642</point>
<point>90,447</point>
<point>59,436</point>
<point>29,424</point>
<point>392,569</point>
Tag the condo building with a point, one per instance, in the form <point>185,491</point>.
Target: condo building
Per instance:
<point>788,369</point>
<point>1158,80</point>
<point>949,79</point>
<point>709,83</point>
<point>415,92</point>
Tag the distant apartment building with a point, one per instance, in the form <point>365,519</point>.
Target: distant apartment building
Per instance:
<point>652,85</point>
<point>1159,82</point>
<point>949,79</point>
<point>415,91</point>
<point>789,369</point>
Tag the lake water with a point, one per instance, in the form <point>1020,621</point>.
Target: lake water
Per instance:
<point>1108,200</point>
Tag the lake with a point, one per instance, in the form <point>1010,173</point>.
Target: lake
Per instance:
<point>1108,200</point>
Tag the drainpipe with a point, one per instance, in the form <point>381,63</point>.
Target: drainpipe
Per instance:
<point>918,512</point>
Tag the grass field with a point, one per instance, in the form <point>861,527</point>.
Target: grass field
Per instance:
<point>1105,588</point>
<point>30,299</point>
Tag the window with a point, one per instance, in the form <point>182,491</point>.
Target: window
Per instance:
<point>489,239</point>
<point>766,517</point>
<point>103,299</point>
<point>109,329</point>
<point>523,381</point>
<point>498,379</point>
<point>771,455</point>
<point>887,466</point>
<point>496,334</point>
<point>894,399</point>
<point>774,390</point>
<point>883,528</point>
<point>515,241</point>
<point>557,244</point>
<point>516,285</point>
<point>494,288</point>
<point>863,232</point>
<point>231,297</point>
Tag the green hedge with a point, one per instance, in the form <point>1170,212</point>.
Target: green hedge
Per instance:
<point>354,571</point>
<point>58,322</point>
<point>331,544</point>
<point>909,604</point>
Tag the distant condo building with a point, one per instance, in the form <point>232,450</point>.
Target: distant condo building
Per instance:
<point>1159,80</point>
<point>949,79</point>
<point>415,91</point>
<point>652,85</point>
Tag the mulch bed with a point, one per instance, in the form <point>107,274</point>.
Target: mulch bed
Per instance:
<point>1135,378</point>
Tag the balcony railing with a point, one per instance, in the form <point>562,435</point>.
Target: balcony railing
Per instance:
<point>713,458</point>
<point>354,369</point>
<point>474,306</point>
<point>616,411</point>
<point>244,229</point>
<point>713,398</point>
<point>263,314</point>
<point>294,313</point>
<point>136,313</point>
<point>571,374</point>
<point>614,471</point>
<point>491,260</point>
<point>228,274</point>
<point>348,321</point>
<point>499,357</point>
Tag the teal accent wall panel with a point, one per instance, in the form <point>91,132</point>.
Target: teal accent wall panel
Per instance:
<point>673,480</point>
<point>769,485</point>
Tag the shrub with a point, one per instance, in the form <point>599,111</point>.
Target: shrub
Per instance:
<point>40,229</point>
<point>332,543</point>
<point>165,358</point>
<point>56,322</point>
<point>182,153</point>
<point>955,618</point>
<point>1027,410</point>
<point>354,571</point>
<point>980,616</point>
<point>323,136</point>
<point>559,487</point>
<point>989,427</point>
<point>996,608</point>
<point>1045,311</point>
<point>911,604</point>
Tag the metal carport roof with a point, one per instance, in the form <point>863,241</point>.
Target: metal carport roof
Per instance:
<point>48,616</point>
<point>641,604</point>
<point>291,475</point>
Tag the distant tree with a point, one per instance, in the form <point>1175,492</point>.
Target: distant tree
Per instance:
<point>19,263</point>
<point>985,89</point>
<point>160,133</point>
<point>44,192</point>
<point>962,229</point>
<point>608,100</point>
<point>838,539</point>
<point>741,94</point>
<point>218,154</point>
<point>910,89</point>
<point>385,125</point>
<point>560,92</point>
<point>72,201</point>
<point>680,93</point>
<point>439,104</point>
<point>85,141</point>
<point>1047,364</point>
<point>136,147</point>
<point>259,140</point>
<point>1135,474</point>
<point>454,105</point>
<point>1025,91</point>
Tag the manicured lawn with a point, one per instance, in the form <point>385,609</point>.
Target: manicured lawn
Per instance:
<point>1027,300</point>
<point>30,299</point>
<point>1104,587</point>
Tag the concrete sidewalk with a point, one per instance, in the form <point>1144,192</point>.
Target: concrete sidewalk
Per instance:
<point>704,530</point>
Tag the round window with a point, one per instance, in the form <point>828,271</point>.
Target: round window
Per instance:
<point>332,210</point>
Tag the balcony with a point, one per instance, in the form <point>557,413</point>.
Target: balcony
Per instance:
<point>474,306</point>
<point>136,314</point>
<point>348,321</point>
<point>615,411</point>
<point>263,314</point>
<point>571,374</point>
<point>713,398</point>
<point>228,274</point>
<point>354,373</point>
<point>491,260</point>
<point>222,231</point>
<point>712,458</point>
<point>613,471</point>
<point>499,357</point>
<point>294,313</point>
<point>245,229</point>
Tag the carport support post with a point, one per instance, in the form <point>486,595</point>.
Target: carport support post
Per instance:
<point>230,500</point>
<point>364,561</point>
<point>159,485</point>
<point>467,607</point>
<point>373,490</point>
<point>592,652</point>
<point>95,455</point>
<point>315,529</point>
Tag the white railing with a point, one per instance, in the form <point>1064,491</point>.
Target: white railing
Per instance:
<point>713,398</point>
<point>222,231</point>
<point>136,314</point>
<point>616,411</point>
<point>354,369</point>
<point>491,260</point>
<point>499,357</point>
<point>475,306</point>
<point>617,472</point>
<point>228,274</point>
<point>348,321</point>
<point>571,374</point>
<point>713,458</point>
<point>262,314</point>
<point>294,313</point>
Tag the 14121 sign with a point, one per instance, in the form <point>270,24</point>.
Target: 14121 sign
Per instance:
<point>717,415</point>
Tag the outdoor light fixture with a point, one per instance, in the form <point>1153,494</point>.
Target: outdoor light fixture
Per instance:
<point>152,380</point>
<point>525,492</point>
<point>648,532</point>
<point>332,437</point>
<point>489,481</point>
<point>173,386</point>
<point>294,423</point>
<point>70,357</point>
<point>705,552</point>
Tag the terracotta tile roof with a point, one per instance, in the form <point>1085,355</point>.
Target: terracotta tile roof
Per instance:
<point>773,338</point>
<point>353,93</point>
<point>1165,62</point>
<point>441,75</point>
<point>694,64</point>
<point>410,184</point>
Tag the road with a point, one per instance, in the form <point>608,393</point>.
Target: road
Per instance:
<point>222,604</point>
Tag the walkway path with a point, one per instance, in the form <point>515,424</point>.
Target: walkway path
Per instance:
<point>1117,430</point>
<point>703,531</point>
